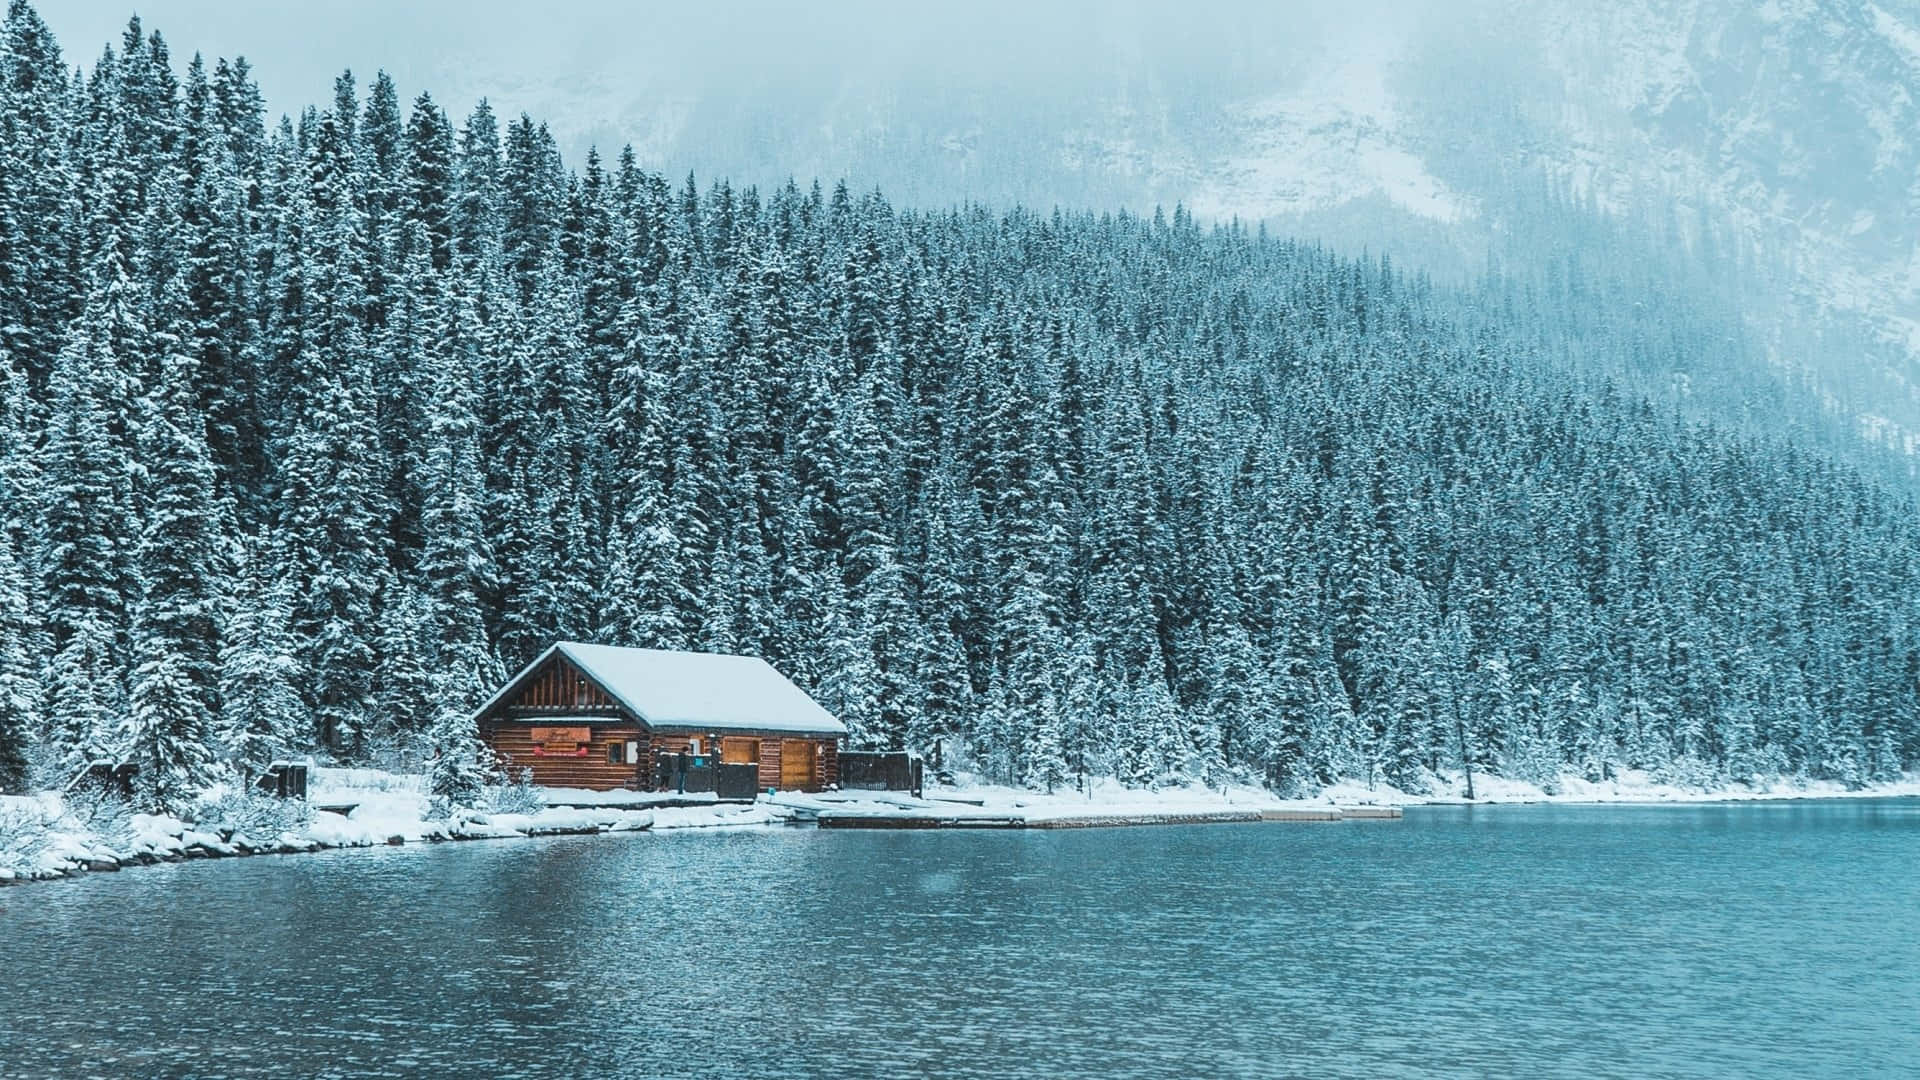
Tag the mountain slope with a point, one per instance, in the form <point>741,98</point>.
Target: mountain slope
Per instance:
<point>1765,153</point>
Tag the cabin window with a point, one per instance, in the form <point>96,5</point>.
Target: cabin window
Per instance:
<point>616,753</point>
<point>693,745</point>
<point>739,751</point>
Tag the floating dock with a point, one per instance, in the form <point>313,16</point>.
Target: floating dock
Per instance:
<point>1331,813</point>
<point>890,810</point>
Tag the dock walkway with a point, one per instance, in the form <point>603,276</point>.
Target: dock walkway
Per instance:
<point>896,810</point>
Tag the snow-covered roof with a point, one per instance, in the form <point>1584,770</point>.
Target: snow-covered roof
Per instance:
<point>701,691</point>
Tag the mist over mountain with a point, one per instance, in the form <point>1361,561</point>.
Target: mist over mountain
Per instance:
<point>1762,154</point>
<point>1048,416</point>
<point>1515,391</point>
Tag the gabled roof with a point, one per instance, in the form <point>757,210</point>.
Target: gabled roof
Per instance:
<point>702,691</point>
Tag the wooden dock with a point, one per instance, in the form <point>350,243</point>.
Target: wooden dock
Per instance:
<point>1372,813</point>
<point>897,810</point>
<point>1205,817</point>
<point>1302,814</point>
<point>828,819</point>
<point>665,802</point>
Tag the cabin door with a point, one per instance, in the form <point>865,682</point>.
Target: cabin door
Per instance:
<point>796,764</point>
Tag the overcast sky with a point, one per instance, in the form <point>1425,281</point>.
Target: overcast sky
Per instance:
<point>502,47</point>
<point>933,103</point>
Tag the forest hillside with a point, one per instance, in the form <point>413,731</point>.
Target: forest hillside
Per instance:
<point>312,428</point>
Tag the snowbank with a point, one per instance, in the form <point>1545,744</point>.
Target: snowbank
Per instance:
<point>1628,786</point>
<point>43,836</point>
<point>1106,802</point>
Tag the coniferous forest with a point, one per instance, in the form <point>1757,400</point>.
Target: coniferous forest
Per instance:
<point>311,428</point>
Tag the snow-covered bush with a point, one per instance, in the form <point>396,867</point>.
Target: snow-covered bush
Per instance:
<point>24,833</point>
<point>254,813</point>
<point>101,811</point>
<point>47,766</point>
<point>1687,771</point>
<point>512,791</point>
<point>398,751</point>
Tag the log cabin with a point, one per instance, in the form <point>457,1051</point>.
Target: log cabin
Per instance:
<point>597,716</point>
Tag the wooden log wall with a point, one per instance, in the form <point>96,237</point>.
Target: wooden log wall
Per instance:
<point>826,759</point>
<point>514,743</point>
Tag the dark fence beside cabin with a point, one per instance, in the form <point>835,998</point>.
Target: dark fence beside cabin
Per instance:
<point>880,771</point>
<point>701,773</point>
<point>284,779</point>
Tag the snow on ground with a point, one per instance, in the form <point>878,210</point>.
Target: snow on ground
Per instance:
<point>42,836</point>
<point>1106,800</point>
<point>1629,786</point>
<point>574,796</point>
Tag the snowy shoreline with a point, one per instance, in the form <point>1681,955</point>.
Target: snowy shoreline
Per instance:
<point>390,809</point>
<point>1630,787</point>
<point>381,808</point>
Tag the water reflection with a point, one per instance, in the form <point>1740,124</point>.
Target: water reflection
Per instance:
<point>1601,941</point>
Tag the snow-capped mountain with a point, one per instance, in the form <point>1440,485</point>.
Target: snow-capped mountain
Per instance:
<point>1792,123</point>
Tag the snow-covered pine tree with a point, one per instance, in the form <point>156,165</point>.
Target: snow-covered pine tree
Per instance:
<point>23,637</point>
<point>1045,751</point>
<point>405,670</point>
<point>262,715</point>
<point>39,293</point>
<point>21,702</point>
<point>458,772</point>
<point>328,453</point>
<point>456,568</point>
<point>88,530</point>
<point>178,620</point>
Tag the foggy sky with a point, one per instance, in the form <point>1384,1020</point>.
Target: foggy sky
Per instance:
<point>608,72</point>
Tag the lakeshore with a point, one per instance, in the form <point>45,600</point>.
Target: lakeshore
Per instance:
<point>1462,940</point>
<point>368,807</point>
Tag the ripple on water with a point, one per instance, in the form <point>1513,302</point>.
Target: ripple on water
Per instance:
<point>1571,941</point>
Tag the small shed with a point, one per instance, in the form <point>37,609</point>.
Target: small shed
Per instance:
<point>598,716</point>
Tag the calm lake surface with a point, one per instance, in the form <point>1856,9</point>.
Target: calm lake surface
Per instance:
<point>1755,940</point>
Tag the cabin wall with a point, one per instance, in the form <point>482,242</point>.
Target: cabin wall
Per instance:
<point>559,694</point>
<point>825,769</point>
<point>514,743</point>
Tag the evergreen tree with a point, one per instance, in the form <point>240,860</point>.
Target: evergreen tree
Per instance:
<point>1069,494</point>
<point>174,697</point>
<point>20,698</point>
<point>86,522</point>
<point>262,715</point>
<point>458,772</point>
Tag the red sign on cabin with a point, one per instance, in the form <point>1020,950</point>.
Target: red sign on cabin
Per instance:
<point>561,741</point>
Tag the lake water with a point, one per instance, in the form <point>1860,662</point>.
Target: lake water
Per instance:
<point>1755,940</point>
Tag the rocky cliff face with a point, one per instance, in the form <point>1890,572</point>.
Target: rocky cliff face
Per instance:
<point>1796,119</point>
<point>1795,123</point>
